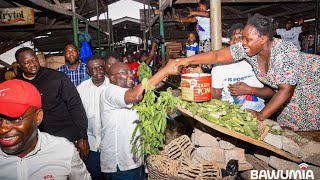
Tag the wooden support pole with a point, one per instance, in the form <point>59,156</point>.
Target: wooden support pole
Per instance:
<point>288,13</point>
<point>215,22</point>
<point>82,6</point>
<point>5,64</point>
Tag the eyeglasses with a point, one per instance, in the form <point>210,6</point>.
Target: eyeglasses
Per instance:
<point>16,120</point>
<point>124,72</point>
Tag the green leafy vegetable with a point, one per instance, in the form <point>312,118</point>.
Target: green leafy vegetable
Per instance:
<point>152,112</point>
<point>144,71</point>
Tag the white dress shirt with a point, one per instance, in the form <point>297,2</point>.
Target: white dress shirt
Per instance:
<point>90,97</point>
<point>53,158</point>
<point>118,124</point>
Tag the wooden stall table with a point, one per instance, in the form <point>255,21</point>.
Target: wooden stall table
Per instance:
<point>242,136</point>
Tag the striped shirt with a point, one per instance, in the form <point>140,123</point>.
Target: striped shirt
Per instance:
<point>76,76</point>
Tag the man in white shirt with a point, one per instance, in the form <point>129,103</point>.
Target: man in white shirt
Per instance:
<point>291,33</point>
<point>119,121</point>
<point>27,153</point>
<point>90,91</point>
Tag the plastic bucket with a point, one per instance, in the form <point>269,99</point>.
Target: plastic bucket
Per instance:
<point>196,87</point>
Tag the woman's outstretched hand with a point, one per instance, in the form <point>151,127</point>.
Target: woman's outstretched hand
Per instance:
<point>182,62</point>
<point>255,114</point>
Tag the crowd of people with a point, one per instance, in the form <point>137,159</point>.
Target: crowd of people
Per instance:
<point>77,122</point>
<point>85,122</point>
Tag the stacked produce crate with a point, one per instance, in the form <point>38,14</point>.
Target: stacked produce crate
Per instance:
<point>173,49</point>
<point>53,62</point>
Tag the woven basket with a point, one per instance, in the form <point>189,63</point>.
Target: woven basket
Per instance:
<point>208,170</point>
<point>175,162</point>
<point>179,149</point>
<point>162,168</point>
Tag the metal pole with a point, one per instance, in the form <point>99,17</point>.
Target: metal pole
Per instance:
<point>116,31</point>
<point>98,23</point>
<point>149,12</point>
<point>145,26</point>
<point>75,25</point>
<point>316,28</point>
<point>112,36</point>
<point>162,38</point>
<point>215,23</point>
<point>99,41</point>
<point>108,28</point>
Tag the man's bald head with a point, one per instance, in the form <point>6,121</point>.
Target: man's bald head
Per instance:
<point>117,67</point>
<point>120,74</point>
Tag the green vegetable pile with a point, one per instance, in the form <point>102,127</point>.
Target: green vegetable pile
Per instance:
<point>152,111</point>
<point>224,114</point>
<point>275,130</point>
<point>144,71</point>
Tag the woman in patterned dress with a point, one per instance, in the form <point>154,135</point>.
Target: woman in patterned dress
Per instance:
<point>293,75</point>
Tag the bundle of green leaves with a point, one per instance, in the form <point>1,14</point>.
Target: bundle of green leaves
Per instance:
<point>144,71</point>
<point>152,112</point>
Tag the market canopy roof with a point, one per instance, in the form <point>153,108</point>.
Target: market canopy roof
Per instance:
<point>53,19</point>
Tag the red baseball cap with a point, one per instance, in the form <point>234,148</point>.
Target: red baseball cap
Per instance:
<point>16,96</point>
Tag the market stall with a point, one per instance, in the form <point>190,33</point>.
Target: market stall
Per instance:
<point>267,145</point>
<point>243,137</point>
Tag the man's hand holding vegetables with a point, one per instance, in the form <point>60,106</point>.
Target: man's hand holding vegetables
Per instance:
<point>119,120</point>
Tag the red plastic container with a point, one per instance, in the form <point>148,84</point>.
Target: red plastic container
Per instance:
<point>196,87</point>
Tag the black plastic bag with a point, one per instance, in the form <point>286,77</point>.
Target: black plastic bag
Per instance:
<point>231,169</point>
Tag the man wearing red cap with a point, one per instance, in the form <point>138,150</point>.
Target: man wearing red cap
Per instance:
<point>27,153</point>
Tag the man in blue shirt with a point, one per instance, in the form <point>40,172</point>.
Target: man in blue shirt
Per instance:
<point>74,68</point>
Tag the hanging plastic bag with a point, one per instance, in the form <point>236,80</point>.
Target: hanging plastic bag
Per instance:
<point>85,50</point>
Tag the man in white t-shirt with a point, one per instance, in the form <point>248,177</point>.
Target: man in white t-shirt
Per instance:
<point>119,121</point>
<point>90,91</point>
<point>27,153</point>
<point>237,82</point>
<point>291,33</point>
<point>225,75</point>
